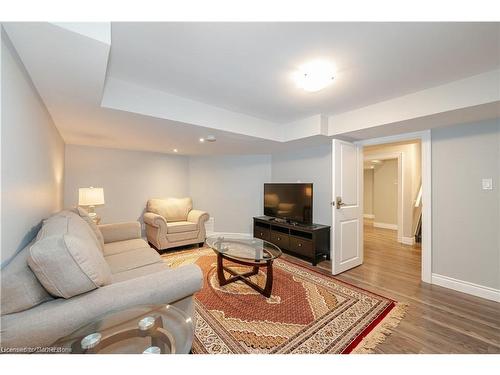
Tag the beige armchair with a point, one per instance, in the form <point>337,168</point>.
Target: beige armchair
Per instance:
<point>172,222</point>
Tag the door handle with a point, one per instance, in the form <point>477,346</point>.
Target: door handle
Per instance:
<point>339,203</point>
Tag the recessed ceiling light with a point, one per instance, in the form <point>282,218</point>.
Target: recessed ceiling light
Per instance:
<point>202,140</point>
<point>314,75</point>
<point>175,150</point>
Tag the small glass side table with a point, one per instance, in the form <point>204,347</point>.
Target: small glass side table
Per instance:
<point>147,329</point>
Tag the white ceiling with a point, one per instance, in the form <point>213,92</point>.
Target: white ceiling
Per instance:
<point>162,86</point>
<point>246,67</point>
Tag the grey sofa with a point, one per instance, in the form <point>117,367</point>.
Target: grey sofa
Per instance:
<point>42,299</point>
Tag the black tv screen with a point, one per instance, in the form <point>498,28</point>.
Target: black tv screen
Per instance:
<point>292,202</point>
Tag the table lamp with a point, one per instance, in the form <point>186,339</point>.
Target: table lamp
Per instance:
<point>91,197</point>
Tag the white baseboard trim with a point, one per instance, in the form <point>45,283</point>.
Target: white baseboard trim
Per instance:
<point>466,287</point>
<point>369,216</point>
<point>408,240</point>
<point>385,226</point>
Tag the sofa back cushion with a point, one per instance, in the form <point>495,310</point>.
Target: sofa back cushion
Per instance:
<point>20,289</point>
<point>65,257</point>
<point>172,209</point>
<point>95,229</point>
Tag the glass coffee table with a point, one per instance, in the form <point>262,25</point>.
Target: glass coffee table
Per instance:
<point>147,329</point>
<point>247,251</point>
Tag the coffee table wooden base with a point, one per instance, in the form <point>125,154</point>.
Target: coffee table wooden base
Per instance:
<point>266,291</point>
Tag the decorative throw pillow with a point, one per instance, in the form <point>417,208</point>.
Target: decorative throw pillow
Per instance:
<point>66,259</point>
<point>99,237</point>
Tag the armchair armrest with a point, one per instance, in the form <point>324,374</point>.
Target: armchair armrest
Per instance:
<point>120,231</point>
<point>45,323</point>
<point>155,220</point>
<point>197,216</point>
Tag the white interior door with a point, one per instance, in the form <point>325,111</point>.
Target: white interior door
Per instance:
<point>347,206</point>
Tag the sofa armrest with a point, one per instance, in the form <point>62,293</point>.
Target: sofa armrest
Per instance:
<point>120,231</point>
<point>47,322</point>
<point>155,220</point>
<point>197,216</point>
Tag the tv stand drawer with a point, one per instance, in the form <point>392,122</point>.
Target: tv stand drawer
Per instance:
<point>301,246</point>
<point>262,233</point>
<point>280,239</point>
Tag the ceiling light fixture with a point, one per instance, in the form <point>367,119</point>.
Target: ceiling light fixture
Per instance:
<point>314,75</point>
<point>202,140</point>
<point>175,150</point>
<point>211,138</point>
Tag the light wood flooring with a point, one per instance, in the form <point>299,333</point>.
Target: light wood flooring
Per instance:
<point>438,320</point>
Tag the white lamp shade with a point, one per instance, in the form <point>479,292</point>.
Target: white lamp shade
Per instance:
<point>90,196</point>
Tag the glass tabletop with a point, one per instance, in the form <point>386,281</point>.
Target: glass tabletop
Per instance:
<point>244,247</point>
<point>146,329</point>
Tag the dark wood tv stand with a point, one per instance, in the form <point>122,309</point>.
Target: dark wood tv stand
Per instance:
<point>311,242</point>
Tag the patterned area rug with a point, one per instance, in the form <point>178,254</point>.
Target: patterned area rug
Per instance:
<point>308,312</point>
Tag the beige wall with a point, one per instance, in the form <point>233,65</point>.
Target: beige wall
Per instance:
<point>129,179</point>
<point>411,169</point>
<point>32,156</point>
<point>312,164</point>
<point>466,218</point>
<point>385,192</point>
<point>368,192</point>
<point>230,188</point>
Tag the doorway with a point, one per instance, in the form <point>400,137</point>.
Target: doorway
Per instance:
<point>383,189</point>
<point>348,163</point>
<point>392,207</point>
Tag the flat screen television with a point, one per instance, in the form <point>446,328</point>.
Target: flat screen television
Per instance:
<point>292,202</point>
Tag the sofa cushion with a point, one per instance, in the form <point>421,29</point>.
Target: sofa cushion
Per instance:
<point>98,235</point>
<point>172,209</point>
<point>132,259</point>
<point>20,289</point>
<point>124,246</point>
<point>181,226</point>
<point>140,271</point>
<point>65,257</point>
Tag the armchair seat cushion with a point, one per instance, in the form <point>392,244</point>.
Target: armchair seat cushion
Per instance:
<point>181,227</point>
<point>124,246</point>
<point>132,259</point>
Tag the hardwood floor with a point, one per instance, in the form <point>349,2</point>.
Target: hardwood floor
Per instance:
<point>438,320</point>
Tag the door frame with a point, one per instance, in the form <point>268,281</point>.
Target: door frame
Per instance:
<point>426,165</point>
<point>399,157</point>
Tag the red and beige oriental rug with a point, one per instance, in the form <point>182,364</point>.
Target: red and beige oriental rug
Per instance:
<point>308,312</point>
